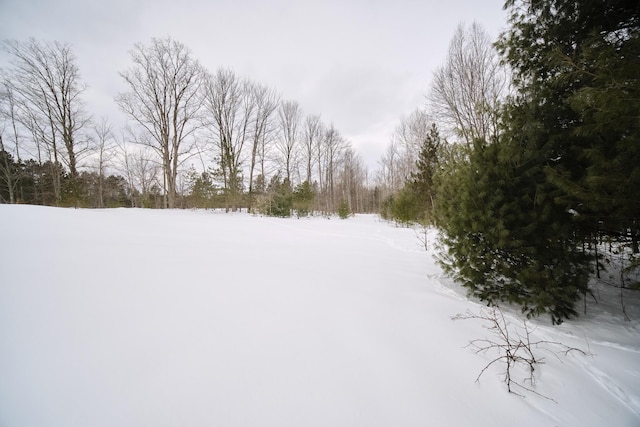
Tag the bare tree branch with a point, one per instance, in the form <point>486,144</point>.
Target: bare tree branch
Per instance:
<point>164,99</point>
<point>514,347</point>
<point>468,88</point>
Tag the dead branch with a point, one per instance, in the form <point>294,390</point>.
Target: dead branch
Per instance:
<point>514,346</point>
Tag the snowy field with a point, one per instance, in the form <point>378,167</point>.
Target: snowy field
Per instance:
<point>133,317</point>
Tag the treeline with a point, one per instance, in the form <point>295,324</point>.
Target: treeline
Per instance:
<point>30,182</point>
<point>34,183</point>
<point>527,156</point>
<point>194,139</point>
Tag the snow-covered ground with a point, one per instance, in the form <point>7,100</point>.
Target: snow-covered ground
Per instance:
<point>193,318</point>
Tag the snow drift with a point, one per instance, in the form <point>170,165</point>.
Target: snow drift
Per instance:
<point>162,318</point>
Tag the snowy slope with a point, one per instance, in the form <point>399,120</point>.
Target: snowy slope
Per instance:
<point>193,318</point>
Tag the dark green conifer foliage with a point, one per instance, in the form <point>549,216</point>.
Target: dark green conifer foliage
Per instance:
<point>513,213</point>
<point>577,66</point>
<point>386,207</point>
<point>343,209</point>
<point>407,207</point>
<point>280,200</point>
<point>506,238</point>
<point>414,203</point>
<point>421,184</point>
<point>303,197</point>
<point>203,190</point>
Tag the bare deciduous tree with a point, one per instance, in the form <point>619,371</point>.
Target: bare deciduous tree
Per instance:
<point>467,89</point>
<point>230,105</point>
<point>104,144</point>
<point>9,111</point>
<point>8,120</point>
<point>164,98</point>
<point>312,136</point>
<point>389,176</point>
<point>399,161</point>
<point>266,102</point>
<point>353,176</point>
<point>410,135</point>
<point>289,114</point>
<point>333,148</point>
<point>142,173</point>
<point>46,82</point>
<point>319,151</point>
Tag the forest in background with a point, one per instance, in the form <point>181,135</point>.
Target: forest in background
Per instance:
<point>195,139</point>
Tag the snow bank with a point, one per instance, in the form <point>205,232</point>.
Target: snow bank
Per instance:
<point>164,318</point>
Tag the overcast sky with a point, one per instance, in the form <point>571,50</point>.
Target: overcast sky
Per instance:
<point>361,64</point>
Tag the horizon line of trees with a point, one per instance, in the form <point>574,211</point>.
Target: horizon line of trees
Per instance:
<point>195,139</point>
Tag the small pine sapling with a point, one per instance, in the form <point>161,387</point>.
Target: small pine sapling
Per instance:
<point>343,209</point>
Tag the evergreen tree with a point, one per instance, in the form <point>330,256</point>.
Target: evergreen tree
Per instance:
<point>506,238</point>
<point>343,209</point>
<point>577,70</point>
<point>203,191</point>
<point>386,207</point>
<point>407,207</point>
<point>280,200</point>
<point>421,183</point>
<point>414,203</point>
<point>303,197</point>
<point>513,213</point>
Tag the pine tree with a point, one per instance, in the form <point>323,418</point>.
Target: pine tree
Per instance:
<point>415,202</point>
<point>407,206</point>
<point>577,69</point>
<point>343,209</point>
<point>506,239</point>
<point>421,183</point>
<point>303,197</point>
<point>513,213</point>
<point>280,198</point>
